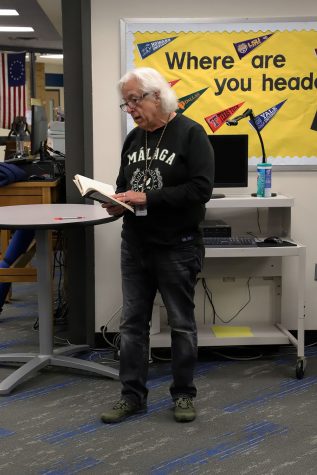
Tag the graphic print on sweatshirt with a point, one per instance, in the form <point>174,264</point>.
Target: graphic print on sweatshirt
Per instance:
<point>150,179</point>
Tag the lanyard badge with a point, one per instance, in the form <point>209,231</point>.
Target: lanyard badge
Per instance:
<point>140,210</point>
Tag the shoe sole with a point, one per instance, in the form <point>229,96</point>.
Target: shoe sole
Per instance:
<point>184,418</point>
<point>108,420</point>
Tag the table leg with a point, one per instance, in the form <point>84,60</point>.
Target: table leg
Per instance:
<point>45,290</point>
<point>23,373</point>
<point>46,356</point>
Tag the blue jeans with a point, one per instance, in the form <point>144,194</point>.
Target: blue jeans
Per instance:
<point>173,272</point>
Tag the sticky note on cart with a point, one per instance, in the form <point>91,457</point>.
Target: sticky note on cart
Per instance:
<point>231,332</point>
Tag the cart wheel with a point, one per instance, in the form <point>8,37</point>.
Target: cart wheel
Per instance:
<point>300,369</point>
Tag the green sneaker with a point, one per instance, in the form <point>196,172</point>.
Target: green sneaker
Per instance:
<point>121,410</point>
<point>184,410</point>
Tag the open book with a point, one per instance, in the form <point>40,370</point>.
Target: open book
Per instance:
<point>98,191</point>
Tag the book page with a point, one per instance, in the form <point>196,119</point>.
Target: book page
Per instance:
<point>88,184</point>
<point>96,190</point>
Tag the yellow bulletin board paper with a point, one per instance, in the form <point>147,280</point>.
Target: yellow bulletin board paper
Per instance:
<point>219,70</point>
<point>231,332</point>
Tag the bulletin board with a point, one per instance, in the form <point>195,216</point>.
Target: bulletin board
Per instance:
<point>219,68</point>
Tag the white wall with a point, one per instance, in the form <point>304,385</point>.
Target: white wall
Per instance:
<point>107,129</point>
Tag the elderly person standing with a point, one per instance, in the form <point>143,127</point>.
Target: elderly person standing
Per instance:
<point>166,173</point>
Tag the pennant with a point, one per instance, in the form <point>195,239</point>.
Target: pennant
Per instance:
<point>172,83</point>
<point>186,101</point>
<point>12,88</point>
<point>215,121</point>
<point>314,123</point>
<point>150,47</point>
<point>264,118</point>
<point>245,47</point>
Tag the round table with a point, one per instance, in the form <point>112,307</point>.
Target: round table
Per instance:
<point>44,218</point>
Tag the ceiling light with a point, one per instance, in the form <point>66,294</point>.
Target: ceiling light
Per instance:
<point>52,56</point>
<point>7,12</point>
<point>15,28</point>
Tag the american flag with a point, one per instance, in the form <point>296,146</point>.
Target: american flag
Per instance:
<point>12,88</point>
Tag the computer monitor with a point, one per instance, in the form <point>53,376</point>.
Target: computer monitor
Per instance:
<point>231,161</point>
<point>38,130</point>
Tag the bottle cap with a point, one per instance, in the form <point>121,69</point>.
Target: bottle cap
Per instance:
<point>264,165</point>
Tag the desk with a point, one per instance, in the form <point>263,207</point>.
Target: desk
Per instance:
<point>242,212</point>
<point>42,219</point>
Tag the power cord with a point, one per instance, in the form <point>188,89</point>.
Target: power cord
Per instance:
<point>208,294</point>
<point>61,309</point>
<point>115,314</point>
<point>101,354</point>
<point>258,220</point>
<point>115,344</point>
<point>62,341</point>
<point>56,152</point>
<point>160,358</point>
<point>233,358</point>
<point>60,304</point>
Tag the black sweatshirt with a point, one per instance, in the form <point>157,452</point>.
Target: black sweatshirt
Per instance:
<point>179,182</point>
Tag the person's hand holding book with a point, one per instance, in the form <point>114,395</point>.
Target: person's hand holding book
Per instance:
<point>113,210</point>
<point>132,198</point>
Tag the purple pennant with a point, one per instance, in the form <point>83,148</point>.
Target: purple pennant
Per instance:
<point>150,47</point>
<point>245,47</point>
<point>264,118</point>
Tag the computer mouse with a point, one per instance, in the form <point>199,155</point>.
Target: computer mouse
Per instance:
<point>35,178</point>
<point>273,240</point>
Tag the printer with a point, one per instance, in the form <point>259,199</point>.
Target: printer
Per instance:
<point>56,136</point>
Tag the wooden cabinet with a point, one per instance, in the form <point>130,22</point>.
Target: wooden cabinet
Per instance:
<point>30,192</point>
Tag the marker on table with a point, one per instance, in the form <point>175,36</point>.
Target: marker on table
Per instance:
<point>60,218</point>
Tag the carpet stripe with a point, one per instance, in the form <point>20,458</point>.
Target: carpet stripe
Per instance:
<point>5,432</point>
<point>32,393</point>
<point>288,388</point>
<point>75,466</point>
<point>248,438</point>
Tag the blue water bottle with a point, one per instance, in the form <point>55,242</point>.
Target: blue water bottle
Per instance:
<point>264,180</point>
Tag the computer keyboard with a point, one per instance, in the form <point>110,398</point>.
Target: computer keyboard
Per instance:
<point>234,241</point>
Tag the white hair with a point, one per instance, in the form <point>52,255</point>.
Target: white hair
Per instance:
<point>152,81</point>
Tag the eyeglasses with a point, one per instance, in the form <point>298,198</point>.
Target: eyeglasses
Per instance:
<point>133,102</point>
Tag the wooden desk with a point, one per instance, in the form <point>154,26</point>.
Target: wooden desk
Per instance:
<point>30,192</point>
<point>25,193</point>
